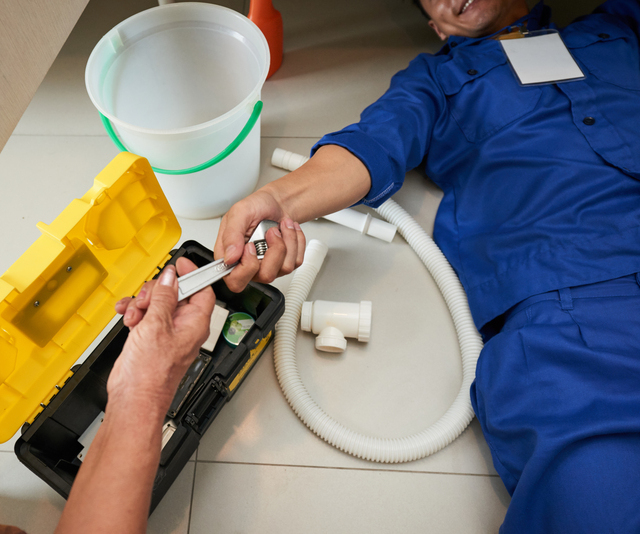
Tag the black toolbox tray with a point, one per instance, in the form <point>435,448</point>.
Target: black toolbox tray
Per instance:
<point>49,446</point>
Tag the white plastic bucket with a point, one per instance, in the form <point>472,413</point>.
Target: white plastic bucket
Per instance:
<point>179,82</point>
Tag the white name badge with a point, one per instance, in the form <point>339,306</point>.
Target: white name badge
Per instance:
<point>540,57</point>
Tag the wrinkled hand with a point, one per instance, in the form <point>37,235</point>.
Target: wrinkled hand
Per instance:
<point>164,340</point>
<point>286,243</point>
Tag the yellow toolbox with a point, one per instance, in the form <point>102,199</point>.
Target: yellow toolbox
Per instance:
<point>59,296</point>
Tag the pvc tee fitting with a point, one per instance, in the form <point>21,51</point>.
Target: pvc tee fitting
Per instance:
<point>334,321</point>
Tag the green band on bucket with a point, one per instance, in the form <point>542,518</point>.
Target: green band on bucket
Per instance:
<point>255,114</point>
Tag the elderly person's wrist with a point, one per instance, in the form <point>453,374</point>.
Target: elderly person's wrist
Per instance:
<point>151,401</point>
<point>152,386</point>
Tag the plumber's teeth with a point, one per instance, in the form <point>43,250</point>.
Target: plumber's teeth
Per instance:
<point>464,8</point>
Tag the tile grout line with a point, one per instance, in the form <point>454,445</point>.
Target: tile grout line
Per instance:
<point>57,135</point>
<point>193,490</point>
<point>312,137</point>
<point>351,468</point>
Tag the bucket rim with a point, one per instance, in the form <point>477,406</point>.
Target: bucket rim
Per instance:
<point>249,101</point>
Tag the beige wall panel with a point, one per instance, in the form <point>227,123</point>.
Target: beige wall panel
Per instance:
<point>32,33</point>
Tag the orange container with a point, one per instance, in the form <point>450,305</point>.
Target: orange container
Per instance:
<point>269,20</point>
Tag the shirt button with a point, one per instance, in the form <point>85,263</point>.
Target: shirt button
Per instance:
<point>472,72</point>
<point>603,35</point>
<point>454,44</point>
<point>589,121</point>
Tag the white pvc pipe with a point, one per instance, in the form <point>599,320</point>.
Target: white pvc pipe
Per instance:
<point>404,449</point>
<point>289,161</point>
<point>362,222</point>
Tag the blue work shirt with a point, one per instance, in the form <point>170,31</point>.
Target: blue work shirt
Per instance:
<point>540,183</point>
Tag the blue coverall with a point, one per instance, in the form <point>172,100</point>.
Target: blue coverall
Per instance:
<point>540,218</point>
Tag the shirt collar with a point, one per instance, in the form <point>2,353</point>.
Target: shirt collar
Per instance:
<point>539,17</point>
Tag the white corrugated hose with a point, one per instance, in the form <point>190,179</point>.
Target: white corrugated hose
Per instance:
<point>403,449</point>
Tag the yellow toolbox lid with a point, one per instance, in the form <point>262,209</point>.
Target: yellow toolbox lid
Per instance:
<point>60,294</point>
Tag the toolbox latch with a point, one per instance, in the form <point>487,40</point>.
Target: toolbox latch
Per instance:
<point>208,404</point>
<point>220,386</point>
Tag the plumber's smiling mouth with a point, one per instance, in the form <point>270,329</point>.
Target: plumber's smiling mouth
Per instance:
<point>465,6</point>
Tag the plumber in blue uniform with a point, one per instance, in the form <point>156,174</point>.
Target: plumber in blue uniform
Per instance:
<point>540,219</point>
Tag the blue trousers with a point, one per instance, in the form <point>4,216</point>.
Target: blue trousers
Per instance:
<point>557,393</point>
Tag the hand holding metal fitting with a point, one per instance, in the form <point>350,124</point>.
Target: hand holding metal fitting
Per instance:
<point>205,276</point>
<point>259,239</point>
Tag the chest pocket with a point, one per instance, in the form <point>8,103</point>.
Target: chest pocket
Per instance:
<point>607,49</point>
<point>482,92</point>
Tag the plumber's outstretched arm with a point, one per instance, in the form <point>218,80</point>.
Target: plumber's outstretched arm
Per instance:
<point>331,180</point>
<point>112,491</point>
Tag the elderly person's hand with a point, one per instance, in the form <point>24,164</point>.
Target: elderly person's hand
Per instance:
<point>165,337</point>
<point>112,491</point>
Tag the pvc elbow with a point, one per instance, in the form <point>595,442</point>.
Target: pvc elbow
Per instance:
<point>334,321</point>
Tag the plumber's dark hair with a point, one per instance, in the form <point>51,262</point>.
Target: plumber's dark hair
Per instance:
<point>421,8</point>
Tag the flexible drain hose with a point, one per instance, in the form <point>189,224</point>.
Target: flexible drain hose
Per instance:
<point>404,449</point>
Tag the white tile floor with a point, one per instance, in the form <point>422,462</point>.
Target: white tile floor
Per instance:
<point>259,469</point>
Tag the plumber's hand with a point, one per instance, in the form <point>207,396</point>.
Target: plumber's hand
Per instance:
<point>286,243</point>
